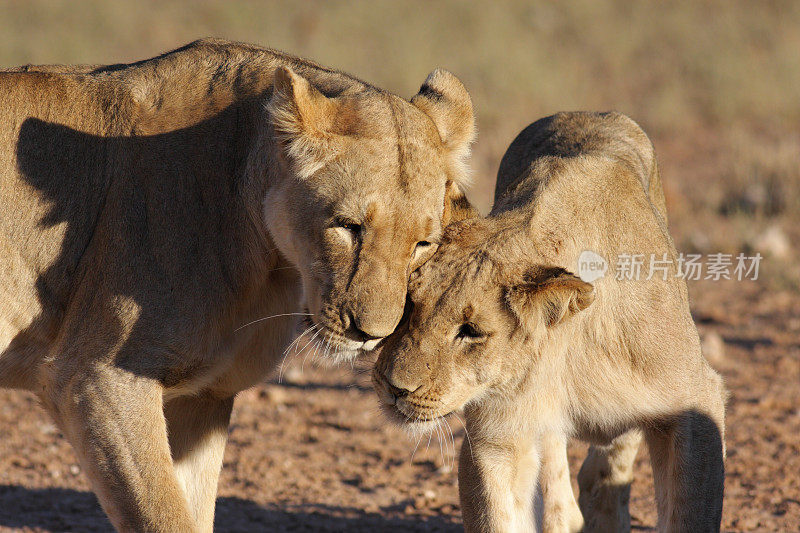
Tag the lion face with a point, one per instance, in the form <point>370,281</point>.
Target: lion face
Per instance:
<point>362,198</point>
<point>477,323</point>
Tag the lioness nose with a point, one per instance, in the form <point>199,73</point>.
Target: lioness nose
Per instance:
<point>363,335</point>
<point>355,331</point>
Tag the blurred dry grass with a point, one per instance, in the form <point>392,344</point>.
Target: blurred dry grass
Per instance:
<point>715,83</point>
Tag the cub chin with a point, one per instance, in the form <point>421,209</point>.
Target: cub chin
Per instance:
<point>503,328</point>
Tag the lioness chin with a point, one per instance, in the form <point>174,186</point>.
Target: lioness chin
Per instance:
<point>535,355</point>
<point>166,222</point>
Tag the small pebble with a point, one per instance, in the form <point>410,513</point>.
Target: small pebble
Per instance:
<point>713,347</point>
<point>274,394</point>
<point>773,241</point>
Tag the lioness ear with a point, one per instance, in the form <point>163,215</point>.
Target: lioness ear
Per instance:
<point>445,100</point>
<point>303,119</point>
<point>549,295</point>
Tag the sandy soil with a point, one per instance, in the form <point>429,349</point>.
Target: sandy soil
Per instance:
<point>313,454</point>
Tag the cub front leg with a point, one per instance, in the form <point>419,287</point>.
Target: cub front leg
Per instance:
<point>560,512</point>
<point>605,483</point>
<point>496,484</point>
<point>115,422</point>
<point>198,431</point>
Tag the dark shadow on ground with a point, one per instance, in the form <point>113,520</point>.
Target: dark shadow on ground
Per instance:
<point>59,509</point>
<point>52,509</point>
<point>312,386</point>
<point>238,515</point>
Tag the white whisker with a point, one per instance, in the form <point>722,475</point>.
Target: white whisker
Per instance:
<point>296,340</point>
<point>268,317</point>
<point>448,445</point>
<point>430,434</point>
<point>280,268</point>
<point>421,434</point>
<point>439,438</point>
<point>291,344</point>
<point>417,446</point>
<point>305,349</point>
<point>316,349</point>
<point>286,351</point>
<point>466,433</point>
<point>452,443</point>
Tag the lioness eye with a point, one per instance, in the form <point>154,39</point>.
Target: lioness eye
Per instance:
<point>352,227</point>
<point>467,331</point>
<point>423,244</point>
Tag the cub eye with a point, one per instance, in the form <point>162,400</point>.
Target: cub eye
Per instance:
<point>422,247</point>
<point>349,225</point>
<point>468,332</point>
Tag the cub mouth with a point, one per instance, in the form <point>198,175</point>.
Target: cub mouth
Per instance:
<point>405,411</point>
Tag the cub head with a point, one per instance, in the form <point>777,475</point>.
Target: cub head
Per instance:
<point>476,328</point>
<point>362,183</point>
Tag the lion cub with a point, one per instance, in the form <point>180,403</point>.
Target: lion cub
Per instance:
<point>535,355</point>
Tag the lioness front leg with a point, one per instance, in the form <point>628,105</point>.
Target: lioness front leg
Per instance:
<point>560,511</point>
<point>198,430</point>
<point>115,422</point>
<point>496,486</point>
<point>687,455</point>
<point>605,483</point>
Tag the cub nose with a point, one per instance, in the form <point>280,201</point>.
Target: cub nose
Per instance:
<point>400,387</point>
<point>398,392</point>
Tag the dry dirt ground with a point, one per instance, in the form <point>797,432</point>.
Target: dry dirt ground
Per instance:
<point>312,453</point>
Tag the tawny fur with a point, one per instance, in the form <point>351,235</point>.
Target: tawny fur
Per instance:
<point>152,209</point>
<point>535,355</point>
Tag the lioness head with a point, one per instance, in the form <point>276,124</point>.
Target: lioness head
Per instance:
<point>479,317</point>
<point>362,191</point>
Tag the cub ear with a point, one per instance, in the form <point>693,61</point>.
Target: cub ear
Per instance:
<point>456,205</point>
<point>549,295</point>
<point>445,100</point>
<point>303,119</point>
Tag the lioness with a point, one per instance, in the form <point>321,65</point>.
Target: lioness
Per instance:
<point>151,210</point>
<point>535,355</point>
